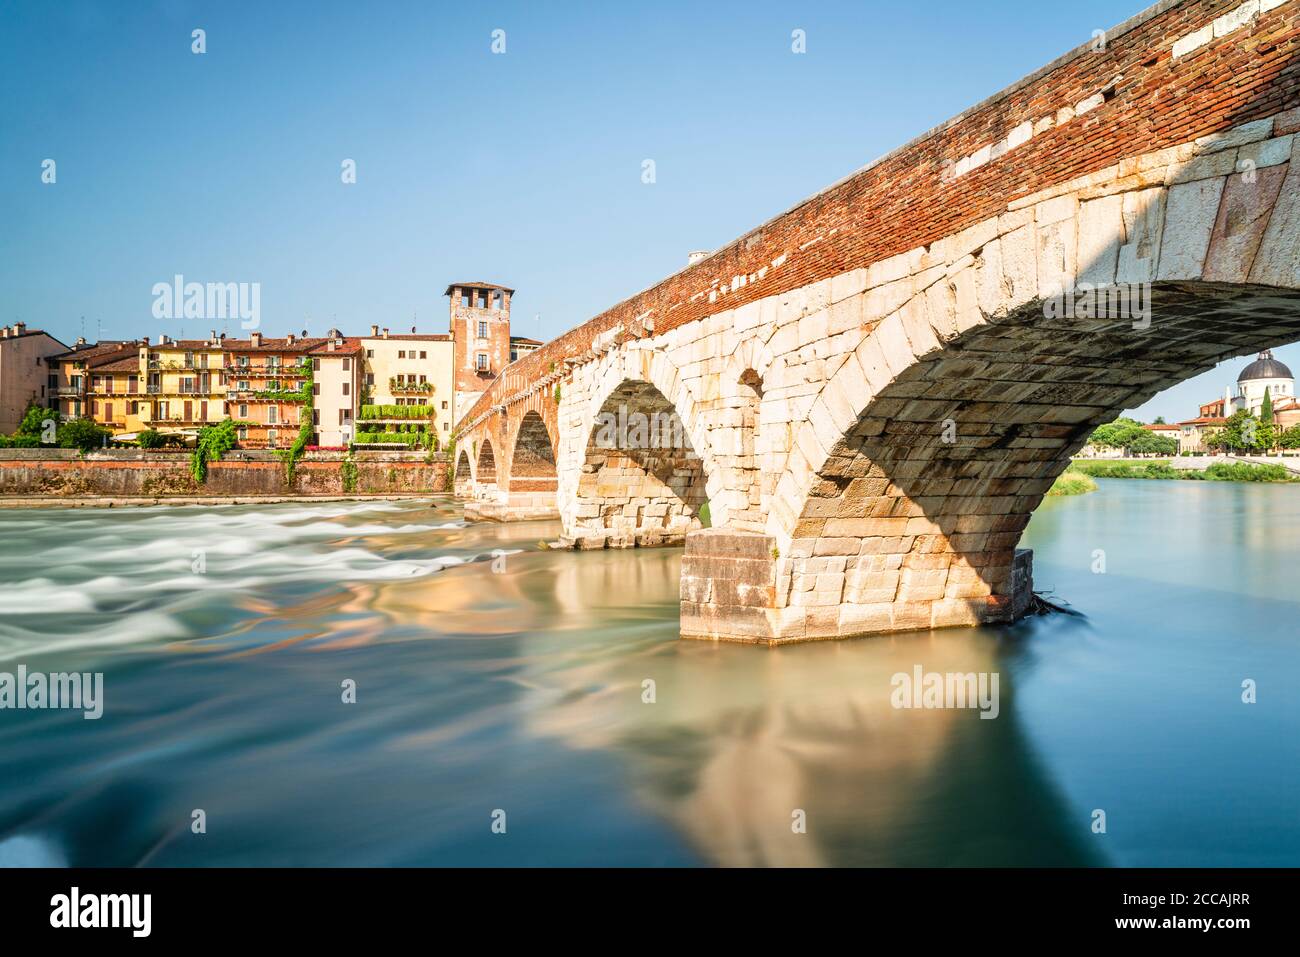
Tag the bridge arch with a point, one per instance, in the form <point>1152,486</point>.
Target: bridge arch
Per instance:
<point>923,458</point>
<point>533,455</point>
<point>464,473</point>
<point>641,480</point>
<point>486,473</point>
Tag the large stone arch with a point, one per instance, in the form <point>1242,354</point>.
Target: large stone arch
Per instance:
<point>925,453</point>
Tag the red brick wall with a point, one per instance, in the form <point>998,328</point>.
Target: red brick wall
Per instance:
<point>903,201</point>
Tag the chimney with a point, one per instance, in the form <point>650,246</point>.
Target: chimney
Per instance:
<point>4,332</point>
<point>289,338</point>
<point>696,255</point>
<point>374,330</point>
<point>331,347</point>
<point>144,341</point>
<point>20,328</point>
<point>385,332</point>
<point>81,341</point>
<point>256,340</point>
<point>164,340</point>
<point>212,336</point>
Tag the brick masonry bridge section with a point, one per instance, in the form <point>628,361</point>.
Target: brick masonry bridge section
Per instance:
<point>849,414</point>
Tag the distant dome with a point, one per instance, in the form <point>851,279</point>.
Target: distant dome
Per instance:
<point>1265,367</point>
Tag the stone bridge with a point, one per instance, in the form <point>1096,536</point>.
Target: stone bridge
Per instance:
<point>849,413</point>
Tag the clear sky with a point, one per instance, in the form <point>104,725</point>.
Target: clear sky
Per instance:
<point>523,168</point>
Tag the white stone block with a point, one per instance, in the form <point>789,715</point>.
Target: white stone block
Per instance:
<point>1101,232</point>
<point>1236,19</point>
<point>1272,152</point>
<point>1190,212</point>
<point>893,343</point>
<point>1237,136</point>
<point>1020,134</point>
<point>1193,41</point>
<point>1144,218</point>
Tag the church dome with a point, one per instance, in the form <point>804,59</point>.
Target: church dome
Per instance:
<point>1265,367</point>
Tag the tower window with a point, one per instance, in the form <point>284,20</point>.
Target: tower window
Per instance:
<point>482,329</point>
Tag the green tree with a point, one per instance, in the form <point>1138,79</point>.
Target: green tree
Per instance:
<point>1242,433</point>
<point>1266,410</point>
<point>83,434</point>
<point>1150,443</point>
<point>1159,420</point>
<point>1290,439</point>
<point>34,419</point>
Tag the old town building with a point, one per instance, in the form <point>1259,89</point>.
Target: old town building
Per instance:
<point>25,375</point>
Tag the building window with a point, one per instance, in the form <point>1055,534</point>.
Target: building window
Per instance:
<point>315,365</point>
<point>346,415</point>
<point>315,416</point>
<point>347,388</point>
<point>444,403</point>
<point>243,433</point>
<point>347,365</point>
<point>370,378</point>
<point>401,353</point>
<point>272,437</point>
<point>465,298</point>
<point>272,415</point>
<point>482,298</point>
<point>444,426</point>
<point>482,360</point>
<point>243,362</point>
<point>482,329</point>
<point>496,299</point>
<point>370,353</point>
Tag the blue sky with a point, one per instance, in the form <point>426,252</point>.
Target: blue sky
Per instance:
<point>522,168</point>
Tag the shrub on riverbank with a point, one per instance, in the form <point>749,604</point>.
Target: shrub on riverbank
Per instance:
<point>1072,483</point>
<point>1155,469</point>
<point>1161,469</point>
<point>1246,472</point>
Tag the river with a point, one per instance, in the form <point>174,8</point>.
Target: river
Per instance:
<point>502,715</point>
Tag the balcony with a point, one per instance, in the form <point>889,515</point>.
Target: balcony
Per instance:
<point>266,371</point>
<point>409,388</point>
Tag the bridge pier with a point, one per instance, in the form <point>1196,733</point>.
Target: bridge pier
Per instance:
<point>736,586</point>
<point>525,500</point>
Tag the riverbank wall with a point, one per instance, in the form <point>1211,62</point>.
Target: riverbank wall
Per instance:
<point>132,473</point>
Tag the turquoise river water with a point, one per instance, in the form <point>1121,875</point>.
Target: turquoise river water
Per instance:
<point>500,682</point>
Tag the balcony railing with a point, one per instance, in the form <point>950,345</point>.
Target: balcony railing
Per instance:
<point>409,388</point>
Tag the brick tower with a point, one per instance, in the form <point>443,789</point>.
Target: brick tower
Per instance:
<point>480,330</point>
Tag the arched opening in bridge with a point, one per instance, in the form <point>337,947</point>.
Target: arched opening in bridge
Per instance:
<point>487,465</point>
<point>534,456</point>
<point>642,482</point>
<point>464,478</point>
<point>914,519</point>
